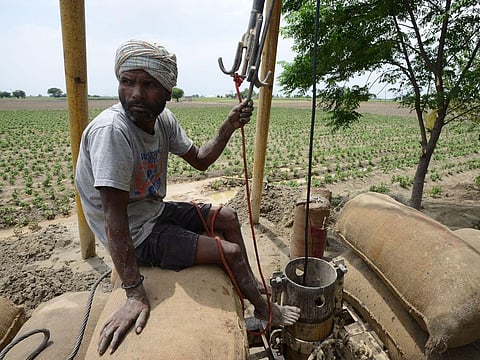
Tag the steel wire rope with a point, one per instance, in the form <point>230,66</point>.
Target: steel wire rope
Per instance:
<point>86,315</point>
<point>46,332</point>
<point>312,131</point>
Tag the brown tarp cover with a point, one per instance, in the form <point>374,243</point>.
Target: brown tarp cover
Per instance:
<point>62,316</point>
<point>195,314</point>
<point>12,318</point>
<point>471,236</point>
<point>433,272</point>
<point>400,333</point>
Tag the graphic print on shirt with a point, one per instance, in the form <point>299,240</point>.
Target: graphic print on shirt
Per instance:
<point>148,178</point>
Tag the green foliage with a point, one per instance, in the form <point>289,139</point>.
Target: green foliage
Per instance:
<point>404,180</point>
<point>399,40</point>
<point>426,52</point>
<point>382,188</point>
<point>36,177</point>
<point>435,176</point>
<point>343,102</point>
<point>55,92</point>
<point>32,143</point>
<point>19,94</point>
<point>436,191</point>
<point>177,93</point>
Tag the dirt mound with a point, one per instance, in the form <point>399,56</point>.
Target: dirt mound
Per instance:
<point>277,204</point>
<point>32,270</point>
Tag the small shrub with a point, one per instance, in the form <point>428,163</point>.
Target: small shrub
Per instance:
<point>436,191</point>
<point>34,226</point>
<point>217,184</point>
<point>403,180</point>
<point>382,188</point>
<point>292,184</point>
<point>435,176</point>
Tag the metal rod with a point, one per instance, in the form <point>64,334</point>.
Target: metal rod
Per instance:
<point>312,129</point>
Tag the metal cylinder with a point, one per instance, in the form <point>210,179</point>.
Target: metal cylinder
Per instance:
<point>314,293</point>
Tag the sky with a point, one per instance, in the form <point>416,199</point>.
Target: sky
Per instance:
<point>198,32</point>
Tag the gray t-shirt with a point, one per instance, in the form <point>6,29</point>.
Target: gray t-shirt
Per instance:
<point>114,152</point>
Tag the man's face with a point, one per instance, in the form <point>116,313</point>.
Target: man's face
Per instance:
<point>142,97</point>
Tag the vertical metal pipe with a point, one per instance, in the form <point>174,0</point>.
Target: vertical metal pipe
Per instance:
<point>264,106</point>
<point>72,13</point>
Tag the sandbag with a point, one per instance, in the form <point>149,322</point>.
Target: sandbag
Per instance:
<point>195,314</point>
<point>399,332</point>
<point>434,273</point>
<point>62,316</point>
<point>12,318</point>
<point>471,236</point>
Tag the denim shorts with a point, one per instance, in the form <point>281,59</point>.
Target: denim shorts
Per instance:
<point>173,241</point>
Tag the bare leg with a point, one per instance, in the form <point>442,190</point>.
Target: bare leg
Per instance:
<point>228,225</point>
<point>208,253</point>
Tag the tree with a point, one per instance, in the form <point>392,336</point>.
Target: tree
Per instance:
<point>19,94</point>
<point>177,93</point>
<point>426,51</point>
<point>55,92</point>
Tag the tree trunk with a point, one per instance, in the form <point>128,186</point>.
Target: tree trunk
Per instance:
<point>423,163</point>
<point>419,181</point>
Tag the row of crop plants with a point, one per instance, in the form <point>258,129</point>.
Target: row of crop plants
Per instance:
<point>36,177</point>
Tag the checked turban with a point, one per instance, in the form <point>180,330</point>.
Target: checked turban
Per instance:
<point>154,59</point>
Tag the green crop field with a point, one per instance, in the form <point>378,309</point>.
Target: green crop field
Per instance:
<point>36,176</point>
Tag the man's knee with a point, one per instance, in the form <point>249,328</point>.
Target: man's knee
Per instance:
<point>229,216</point>
<point>231,251</point>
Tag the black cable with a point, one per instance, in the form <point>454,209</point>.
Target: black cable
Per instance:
<point>312,130</point>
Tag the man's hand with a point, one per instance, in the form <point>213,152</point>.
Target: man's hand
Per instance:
<point>135,310</point>
<point>201,158</point>
<point>240,114</point>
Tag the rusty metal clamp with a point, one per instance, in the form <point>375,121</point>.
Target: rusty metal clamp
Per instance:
<point>250,47</point>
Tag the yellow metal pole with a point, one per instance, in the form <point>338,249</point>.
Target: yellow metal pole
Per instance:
<point>269,56</point>
<point>72,13</point>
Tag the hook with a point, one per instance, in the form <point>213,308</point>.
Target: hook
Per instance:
<point>236,63</point>
<point>249,49</point>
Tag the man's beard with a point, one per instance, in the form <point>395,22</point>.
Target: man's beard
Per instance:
<point>140,116</point>
<point>146,114</point>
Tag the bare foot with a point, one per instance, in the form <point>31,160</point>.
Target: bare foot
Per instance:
<point>281,315</point>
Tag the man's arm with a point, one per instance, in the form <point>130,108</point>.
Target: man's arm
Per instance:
<point>136,308</point>
<point>201,158</point>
